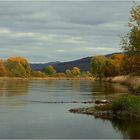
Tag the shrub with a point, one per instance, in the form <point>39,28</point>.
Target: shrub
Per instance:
<point>38,74</point>
<point>127,103</point>
<point>60,75</point>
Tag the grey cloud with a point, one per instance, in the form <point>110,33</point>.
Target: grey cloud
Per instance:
<point>49,31</point>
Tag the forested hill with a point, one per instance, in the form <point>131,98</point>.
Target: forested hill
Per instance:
<point>83,64</point>
<point>40,66</point>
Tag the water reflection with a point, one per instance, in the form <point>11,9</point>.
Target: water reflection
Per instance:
<point>16,87</point>
<point>13,87</point>
<point>10,92</point>
<point>129,129</point>
<point>61,90</point>
<point>18,94</point>
<point>108,88</point>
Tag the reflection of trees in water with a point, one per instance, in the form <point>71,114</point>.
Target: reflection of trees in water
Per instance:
<point>75,84</point>
<point>14,87</point>
<point>11,91</point>
<point>63,84</point>
<point>2,85</point>
<point>108,88</point>
<point>129,129</point>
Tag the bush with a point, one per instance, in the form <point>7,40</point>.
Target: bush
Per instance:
<point>38,74</point>
<point>60,75</point>
<point>127,103</point>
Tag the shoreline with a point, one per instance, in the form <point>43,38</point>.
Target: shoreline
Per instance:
<point>103,114</point>
<point>132,82</point>
<point>47,78</point>
<point>104,111</point>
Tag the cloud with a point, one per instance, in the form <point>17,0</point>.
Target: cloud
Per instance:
<point>4,31</point>
<point>49,31</point>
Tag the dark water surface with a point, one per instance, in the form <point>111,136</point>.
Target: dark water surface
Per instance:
<point>33,109</point>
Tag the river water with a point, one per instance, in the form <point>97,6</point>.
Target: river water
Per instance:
<point>40,109</point>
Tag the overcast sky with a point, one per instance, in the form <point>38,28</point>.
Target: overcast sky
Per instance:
<point>61,31</point>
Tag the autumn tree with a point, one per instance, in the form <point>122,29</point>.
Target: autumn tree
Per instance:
<point>68,73</point>
<point>98,66</point>
<point>38,74</point>
<point>61,74</point>
<point>3,71</point>
<point>86,74</point>
<point>111,68</point>
<point>75,71</point>
<point>18,66</point>
<point>119,62</point>
<point>131,42</point>
<point>49,70</point>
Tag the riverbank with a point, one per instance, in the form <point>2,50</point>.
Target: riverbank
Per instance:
<point>132,82</point>
<point>47,78</point>
<point>124,108</point>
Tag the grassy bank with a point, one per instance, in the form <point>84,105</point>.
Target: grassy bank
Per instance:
<point>124,107</point>
<point>133,82</point>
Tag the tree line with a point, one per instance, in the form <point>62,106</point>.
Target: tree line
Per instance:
<point>20,67</point>
<point>127,62</point>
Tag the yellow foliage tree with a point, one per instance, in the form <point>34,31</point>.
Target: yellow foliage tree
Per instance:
<point>76,71</point>
<point>18,66</point>
<point>119,63</point>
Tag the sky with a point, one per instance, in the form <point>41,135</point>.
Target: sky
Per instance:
<point>62,30</point>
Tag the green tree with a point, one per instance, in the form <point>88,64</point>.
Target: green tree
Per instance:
<point>68,73</point>
<point>49,70</point>
<point>98,66</point>
<point>75,71</point>
<point>131,42</point>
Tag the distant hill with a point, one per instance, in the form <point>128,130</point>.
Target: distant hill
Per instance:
<point>40,66</point>
<point>83,64</point>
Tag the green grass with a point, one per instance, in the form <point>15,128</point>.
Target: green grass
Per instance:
<point>127,105</point>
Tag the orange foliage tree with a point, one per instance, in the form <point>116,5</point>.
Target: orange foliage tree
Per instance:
<point>18,66</point>
<point>102,66</point>
<point>3,70</point>
<point>119,63</point>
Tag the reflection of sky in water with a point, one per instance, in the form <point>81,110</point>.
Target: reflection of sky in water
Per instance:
<point>22,118</point>
<point>52,90</point>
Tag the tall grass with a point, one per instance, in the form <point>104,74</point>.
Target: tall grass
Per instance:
<point>127,105</point>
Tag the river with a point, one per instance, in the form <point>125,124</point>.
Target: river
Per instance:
<point>40,109</point>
